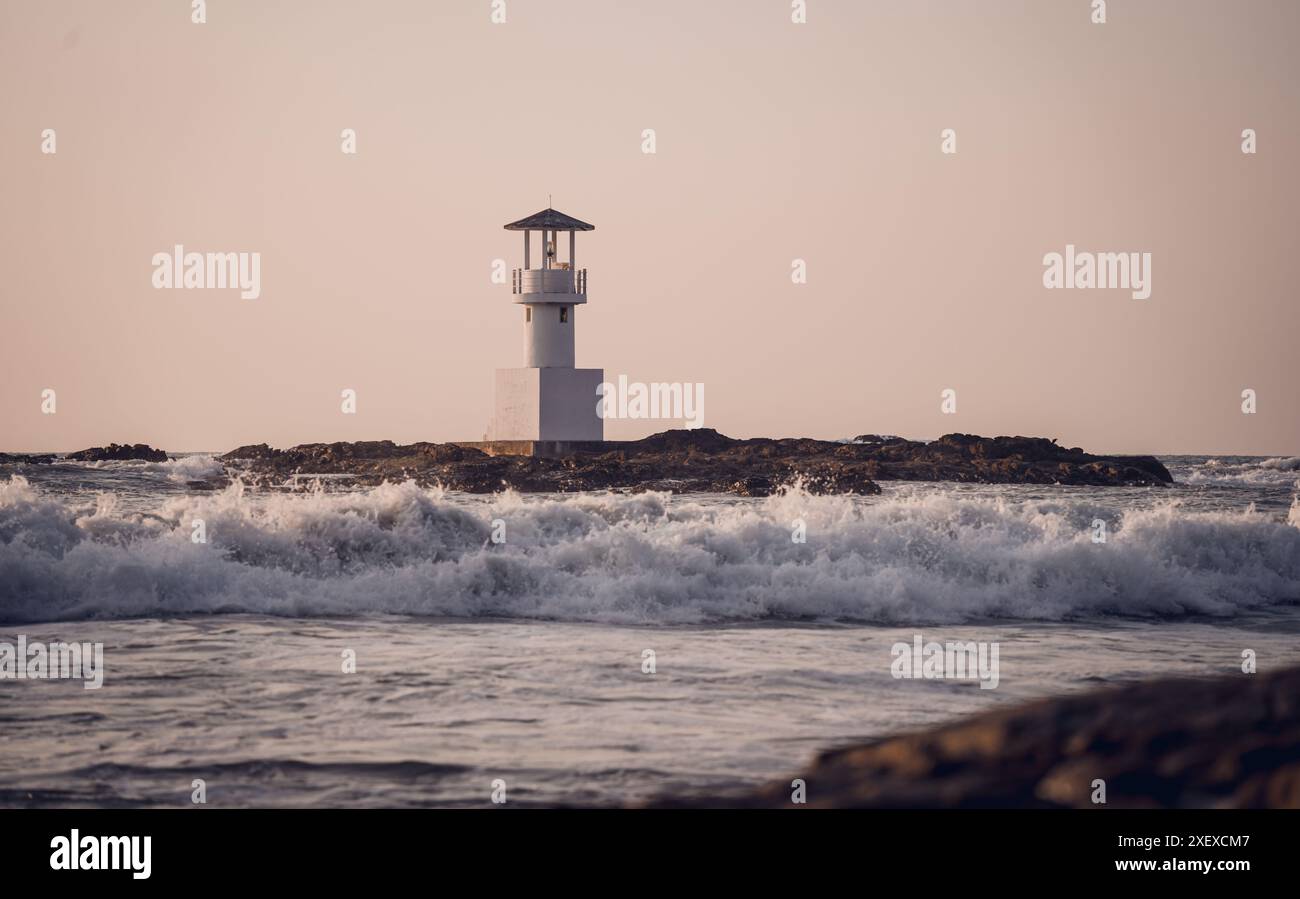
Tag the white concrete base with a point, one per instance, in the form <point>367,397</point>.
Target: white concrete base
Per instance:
<point>547,404</point>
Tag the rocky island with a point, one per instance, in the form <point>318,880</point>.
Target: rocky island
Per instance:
<point>702,460</point>
<point>112,453</point>
<point>679,461</point>
<point>118,453</point>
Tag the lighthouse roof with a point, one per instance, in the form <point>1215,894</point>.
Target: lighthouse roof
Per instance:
<point>549,219</point>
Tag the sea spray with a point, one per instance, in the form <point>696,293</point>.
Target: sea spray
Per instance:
<point>911,557</point>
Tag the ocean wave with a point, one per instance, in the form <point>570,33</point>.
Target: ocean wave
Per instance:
<point>180,469</point>
<point>1278,471</point>
<point>905,558</point>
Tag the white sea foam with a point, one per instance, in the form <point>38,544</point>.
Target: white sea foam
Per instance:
<point>907,558</point>
<point>1253,473</point>
<point>178,470</point>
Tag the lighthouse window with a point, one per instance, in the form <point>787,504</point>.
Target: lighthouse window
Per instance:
<point>528,313</point>
<point>564,314</point>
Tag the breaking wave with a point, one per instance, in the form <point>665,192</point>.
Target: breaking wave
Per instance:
<point>904,558</point>
<point>177,470</point>
<point>1245,473</point>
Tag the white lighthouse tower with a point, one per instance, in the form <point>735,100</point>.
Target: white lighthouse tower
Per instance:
<point>548,399</point>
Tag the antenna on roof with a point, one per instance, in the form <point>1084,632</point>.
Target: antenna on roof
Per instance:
<point>548,201</point>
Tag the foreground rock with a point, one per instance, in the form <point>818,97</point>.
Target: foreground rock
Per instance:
<point>703,460</point>
<point>118,453</point>
<point>1229,742</point>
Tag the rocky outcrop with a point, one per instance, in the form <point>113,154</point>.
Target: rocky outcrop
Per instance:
<point>702,460</point>
<point>1003,460</point>
<point>118,453</point>
<point>681,461</point>
<point>1229,742</point>
<point>676,461</point>
<point>27,458</point>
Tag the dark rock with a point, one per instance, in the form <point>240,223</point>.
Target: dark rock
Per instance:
<point>680,461</point>
<point>118,453</point>
<point>687,461</point>
<point>1228,742</point>
<point>27,458</point>
<point>699,440</point>
<point>449,452</point>
<point>253,451</point>
<point>1003,460</point>
<point>753,487</point>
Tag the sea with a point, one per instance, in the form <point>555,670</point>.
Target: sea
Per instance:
<point>318,644</point>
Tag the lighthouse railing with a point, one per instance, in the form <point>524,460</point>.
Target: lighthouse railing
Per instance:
<point>553,280</point>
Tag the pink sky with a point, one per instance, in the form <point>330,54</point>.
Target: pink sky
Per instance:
<point>775,142</point>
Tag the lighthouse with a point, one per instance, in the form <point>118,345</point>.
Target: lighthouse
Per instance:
<point>548,399</point>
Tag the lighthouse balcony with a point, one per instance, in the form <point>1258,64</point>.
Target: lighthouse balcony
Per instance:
<point>549,285</point>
